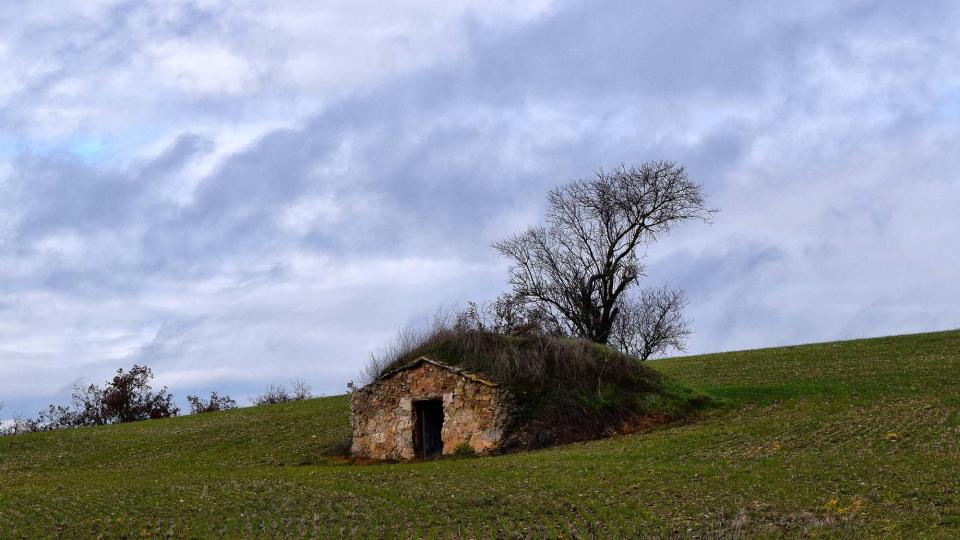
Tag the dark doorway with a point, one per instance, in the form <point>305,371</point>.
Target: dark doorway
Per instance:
<point>427,426</point>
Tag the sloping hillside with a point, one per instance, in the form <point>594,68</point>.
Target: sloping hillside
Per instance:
<point>856,438</point>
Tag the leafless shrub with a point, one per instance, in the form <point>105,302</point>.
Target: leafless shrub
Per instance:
<point>20,424</point>
<point>651,324</point>
<point>214,403</point>
<point>300,389</point>
<point>277,393</point>
<point>8,427</point>
<point>274,393</point>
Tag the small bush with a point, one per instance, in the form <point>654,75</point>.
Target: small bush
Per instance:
<point>300,390</point>
<point>215,403</point>
<point>276,393</point>
<point>127,397</point>
<point>273,394</point>
<point>18,424</point>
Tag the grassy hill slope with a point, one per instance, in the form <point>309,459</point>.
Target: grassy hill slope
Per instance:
<point>854,438</point>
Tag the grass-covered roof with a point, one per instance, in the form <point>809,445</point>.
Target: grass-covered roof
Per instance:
<point>566,389</point>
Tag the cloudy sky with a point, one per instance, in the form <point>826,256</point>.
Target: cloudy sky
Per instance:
<point>241,193</point>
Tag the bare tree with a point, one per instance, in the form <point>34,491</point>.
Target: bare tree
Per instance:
<point>651,324</point>
<point>580,263</point>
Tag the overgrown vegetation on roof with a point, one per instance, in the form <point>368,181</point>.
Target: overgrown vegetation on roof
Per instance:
<point>566,389</point>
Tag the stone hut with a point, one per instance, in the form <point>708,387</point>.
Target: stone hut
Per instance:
<point>428,408</point>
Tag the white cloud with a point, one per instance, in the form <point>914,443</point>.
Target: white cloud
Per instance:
<point>203,68</point>
<point>102,67</point>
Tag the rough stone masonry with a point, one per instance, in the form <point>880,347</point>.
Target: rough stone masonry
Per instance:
<point>476,412</point>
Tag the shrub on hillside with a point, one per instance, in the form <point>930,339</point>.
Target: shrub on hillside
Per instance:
<point>18,425</point>
<point>277,393</point>
<point>215,403</point>
<point>127,397</point>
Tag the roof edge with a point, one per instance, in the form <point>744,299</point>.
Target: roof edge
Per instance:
<point>424,360</point>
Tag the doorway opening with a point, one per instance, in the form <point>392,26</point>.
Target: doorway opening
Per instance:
<point>428,425</point>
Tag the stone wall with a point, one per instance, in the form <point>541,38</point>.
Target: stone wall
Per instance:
<point>475,412</point>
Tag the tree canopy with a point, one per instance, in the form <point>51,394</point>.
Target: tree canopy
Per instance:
<point>579,265</point>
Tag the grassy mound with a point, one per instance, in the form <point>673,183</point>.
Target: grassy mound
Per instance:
<point>567,390</point>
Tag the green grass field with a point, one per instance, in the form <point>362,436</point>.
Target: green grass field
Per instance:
<point>857,438</point>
